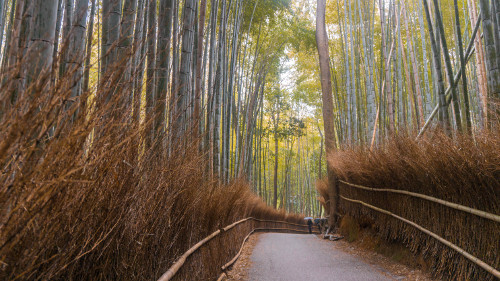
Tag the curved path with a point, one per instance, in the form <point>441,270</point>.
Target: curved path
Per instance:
<point>279,256</point>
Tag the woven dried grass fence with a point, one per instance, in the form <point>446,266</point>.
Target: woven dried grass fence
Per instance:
<point>430,204</point>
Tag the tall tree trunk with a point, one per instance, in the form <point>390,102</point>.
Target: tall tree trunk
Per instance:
<point>495,17</point>
<point>326,89</point>
<point>230,87</point>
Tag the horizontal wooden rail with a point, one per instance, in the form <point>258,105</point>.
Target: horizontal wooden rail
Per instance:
<point>236,223</point>
<point>483,214</point>
<point>289,223</point>
<point>461,251</point>
<point>180,262</point>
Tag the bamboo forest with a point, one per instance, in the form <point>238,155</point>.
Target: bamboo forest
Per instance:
<point>149,139</point>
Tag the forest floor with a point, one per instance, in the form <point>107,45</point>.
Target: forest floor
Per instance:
<point>272,256</point>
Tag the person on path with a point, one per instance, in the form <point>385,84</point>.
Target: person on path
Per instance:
<point>317,222</point>
<point>309,225</point>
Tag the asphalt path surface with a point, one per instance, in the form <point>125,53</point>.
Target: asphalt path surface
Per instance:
<point>280,256</point>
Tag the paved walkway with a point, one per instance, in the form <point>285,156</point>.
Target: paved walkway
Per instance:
<point>279,256</point>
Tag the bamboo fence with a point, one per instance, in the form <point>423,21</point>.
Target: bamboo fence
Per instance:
<point>170,273</point>
<point>483,214</point>
<point>461,251</point>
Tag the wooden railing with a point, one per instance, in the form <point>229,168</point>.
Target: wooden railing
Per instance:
<point>172,271</point>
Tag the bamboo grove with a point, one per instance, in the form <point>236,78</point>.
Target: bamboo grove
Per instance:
<point>180,74</point>
<point>397,64</point>
<point>237,81</point>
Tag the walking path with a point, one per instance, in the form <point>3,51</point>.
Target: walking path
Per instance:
<point>279,256</point>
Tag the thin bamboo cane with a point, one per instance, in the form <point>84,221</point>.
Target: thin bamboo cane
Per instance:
<point>483,214</point>
<point>461,251</point>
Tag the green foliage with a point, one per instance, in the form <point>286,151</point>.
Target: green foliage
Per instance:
<point>265,11</point>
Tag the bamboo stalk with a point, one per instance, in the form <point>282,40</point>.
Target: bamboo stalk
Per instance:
<point>453,84</point>
<point>468,123</point>
<point>374,129</point>
<point>468,55</point>
<point>481,68</point>
<point>416,76</point>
